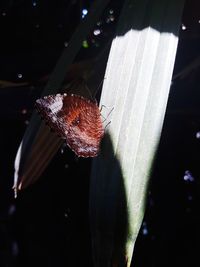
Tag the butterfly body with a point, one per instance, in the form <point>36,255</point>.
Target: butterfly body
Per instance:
<point>75,119</point>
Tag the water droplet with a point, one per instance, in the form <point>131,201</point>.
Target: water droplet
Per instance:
<point>97,32</point>
<point>85,44</point>
<point>99,23</point>
<point>144,229</point>
<point>183,27</point>
<point>188,177</point>
<point>198,135</point>
<point>34,4</point>
<point>112,18</point>
<point>19,75</point>
<point>14,248</point>
<point>11,210</point>
<point>108,20</point>
<point>84,12</point>
<point>65,44</point>
<point>67,213</point>
<point>4,14</point>
<point>111,11</point>
<point>24,111</point>
<point>66,166</point>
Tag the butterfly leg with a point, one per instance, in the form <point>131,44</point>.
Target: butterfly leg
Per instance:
<point>105,118</point>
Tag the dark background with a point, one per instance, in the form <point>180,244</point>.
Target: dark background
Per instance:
<point>48,223</point>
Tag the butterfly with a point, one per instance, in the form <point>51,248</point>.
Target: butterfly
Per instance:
<point>75,119</point>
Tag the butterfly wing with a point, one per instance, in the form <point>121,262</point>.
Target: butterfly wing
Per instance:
<point>85,129</point>
<point>51,109</point>
<point>75,119</point>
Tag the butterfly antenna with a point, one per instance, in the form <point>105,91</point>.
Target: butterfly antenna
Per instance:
<point>89,92</point>
<point>99,86</point>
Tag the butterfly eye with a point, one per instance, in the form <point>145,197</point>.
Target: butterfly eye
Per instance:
<point>76,121</point>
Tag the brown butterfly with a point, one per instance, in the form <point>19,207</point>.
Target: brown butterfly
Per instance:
<point>75,119</point>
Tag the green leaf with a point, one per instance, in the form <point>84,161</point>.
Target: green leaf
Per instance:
<point>134,98</point>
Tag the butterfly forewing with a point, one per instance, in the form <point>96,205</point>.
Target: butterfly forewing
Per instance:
<point>50,107</point>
